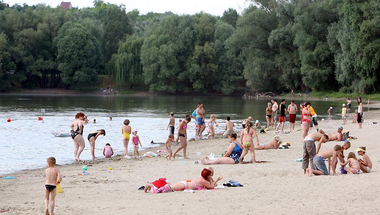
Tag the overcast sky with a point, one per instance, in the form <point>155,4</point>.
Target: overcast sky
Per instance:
<point>215,7</point>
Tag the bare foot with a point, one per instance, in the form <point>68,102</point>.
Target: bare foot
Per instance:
<point>147,188</point>
<point>186,158</point>
<point>240,160</point>
<point>77,159</point>
<point>308,172</point>
<point>47,212</point>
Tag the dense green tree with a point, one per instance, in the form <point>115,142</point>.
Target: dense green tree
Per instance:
<point>116,27</point>
<point>230,16</point>
<point>78,54</point>
<point>6,63</point>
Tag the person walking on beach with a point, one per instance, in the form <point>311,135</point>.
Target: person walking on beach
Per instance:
<point>200,119</point>
<point>171,124</point>
<point>292,109</point>
<point>309,149</point>
<point>92,138</point>
<point>274,111</point>
<point>126,130</point>
<point>194,115</point>
<point>77,135</point>
<point>246,138</point>
<point>306,119</point>
<point>53,177</point>
<point>282,116</point>
<point>268,115</point>
<point>360,112</point>
<point>182,137</point>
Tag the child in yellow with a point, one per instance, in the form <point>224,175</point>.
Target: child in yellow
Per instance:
<point>344,113</point>
<point>126,131</point>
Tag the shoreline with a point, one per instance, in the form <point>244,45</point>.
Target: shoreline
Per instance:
<point>106,191</point>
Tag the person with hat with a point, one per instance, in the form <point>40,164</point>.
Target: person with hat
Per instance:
<point>344,113</point>
<point>365,162</point>
<point>338,136</point>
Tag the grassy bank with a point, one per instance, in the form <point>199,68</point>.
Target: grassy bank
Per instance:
<point>337,95</point>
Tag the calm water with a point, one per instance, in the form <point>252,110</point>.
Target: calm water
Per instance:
<point>26,142</point>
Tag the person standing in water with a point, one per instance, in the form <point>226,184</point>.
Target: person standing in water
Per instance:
<point>171,124</point>
<point>200,119</point>
<point>182,137</point>
<point>91,139</point>
<point>126,131</point>
<point>77,135</point>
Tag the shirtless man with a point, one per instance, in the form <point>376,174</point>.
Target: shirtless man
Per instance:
<point>171,123</point>
<point>229,127</point>
<point>338,136</point>
<point>319,161</point>
<point>309,150</point>
<point>274,144</point>
<point>340,157</point>
<point>292,109</point>
<point>274,112</point>
<point>200,119</point>
<point>282,116</point>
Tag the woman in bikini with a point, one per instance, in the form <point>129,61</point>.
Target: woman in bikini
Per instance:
<point>91,139</point>
<point>306,119</point>
<point>204,181</point>
<point>268,116</point>
<point>246,137</point>
<point>231,156</point>
<point>77,135</point>
<point>182,137</point>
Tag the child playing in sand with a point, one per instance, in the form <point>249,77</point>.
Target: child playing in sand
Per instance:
<point>246,137</point>
<point>211,124</point>
<point>168,146</point>
<point>354,165</point>
<point>344,113</point>
<point>108,151</point>
<point>365,163</point>
<point>319,161</point>
<point>136,142</point>
<point>53,177</point>
<point>126,131</point>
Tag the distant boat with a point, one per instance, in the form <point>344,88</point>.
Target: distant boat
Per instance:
<point>60,134</point>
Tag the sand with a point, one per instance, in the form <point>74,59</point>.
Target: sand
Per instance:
<point>276,187</point>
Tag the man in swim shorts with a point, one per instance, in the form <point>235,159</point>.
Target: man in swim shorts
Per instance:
<point>309,150</point>
<point>281,119</point>
<point>319,161</point>
<point>200,119</point>
<point>292,109</point>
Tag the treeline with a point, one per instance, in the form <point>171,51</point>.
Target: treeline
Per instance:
<point>273,45</point>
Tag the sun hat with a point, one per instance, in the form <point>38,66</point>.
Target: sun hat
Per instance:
<point>360,150</point>
<point>134,130</point>
<point>344,105</point>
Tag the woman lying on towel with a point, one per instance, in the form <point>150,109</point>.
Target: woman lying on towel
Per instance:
<point>205,181</point>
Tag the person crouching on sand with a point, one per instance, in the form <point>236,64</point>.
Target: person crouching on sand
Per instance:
<point>319,161</point>
<point>354,165</point>
<point>108,151</point>
<point>365,163</point>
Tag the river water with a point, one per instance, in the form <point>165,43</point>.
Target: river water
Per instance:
<point>26,142</point>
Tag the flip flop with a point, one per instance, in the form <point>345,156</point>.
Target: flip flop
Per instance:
<point>141,188</point>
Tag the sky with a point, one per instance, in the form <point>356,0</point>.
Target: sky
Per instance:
<point>215,7</point>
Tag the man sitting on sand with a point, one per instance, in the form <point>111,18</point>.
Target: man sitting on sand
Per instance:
<point>274,144</point>
<point>319,161</point>
<point>229,127</point>
<point>309,150</point>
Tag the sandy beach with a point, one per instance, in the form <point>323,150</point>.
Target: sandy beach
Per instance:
<point>275,187</point>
